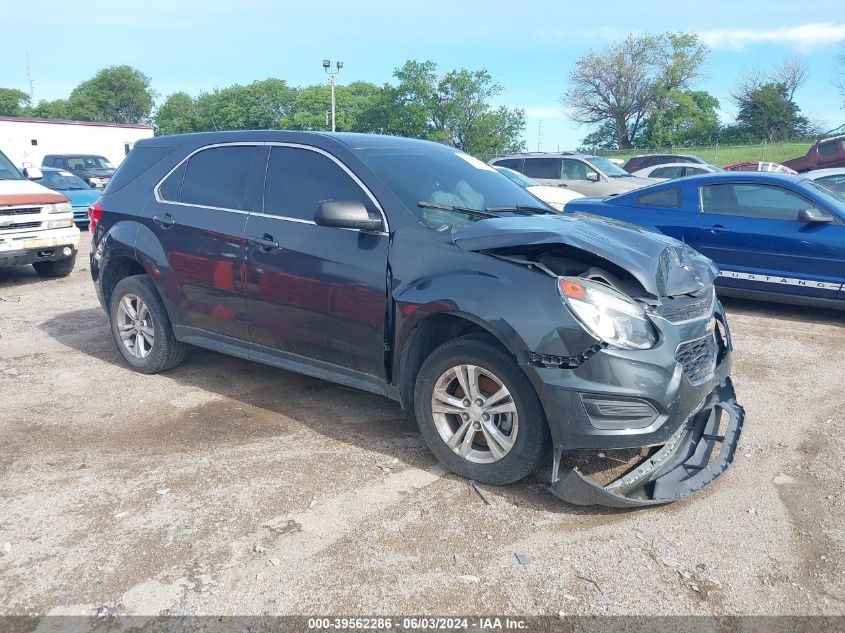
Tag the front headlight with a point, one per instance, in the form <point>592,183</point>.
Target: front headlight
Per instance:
<point>61,207</point>
<point>607,314</point>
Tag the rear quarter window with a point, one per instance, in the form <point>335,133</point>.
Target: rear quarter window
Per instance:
<point>136,163</point>
<point>665,198</point>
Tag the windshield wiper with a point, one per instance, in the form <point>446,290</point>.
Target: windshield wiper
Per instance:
<point>520,209</point>
<point>425,204</point>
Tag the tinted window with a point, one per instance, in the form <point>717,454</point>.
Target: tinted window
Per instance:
<point>667,172</point>
<point>217,177</point>
<point>753,201</point>
<point>576,170</point>
<point>298,180</point>
<point>669,198</point>
<point>172,187</point>
<point>694,171</point>
<point>828,149</point>
<point>542,168</point>
<point>136,163</point>
<point>510,163</point>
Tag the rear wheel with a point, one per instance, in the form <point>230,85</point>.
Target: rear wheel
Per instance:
<point>141,327</point>
<point>55,267</point>
<point>478,412</point>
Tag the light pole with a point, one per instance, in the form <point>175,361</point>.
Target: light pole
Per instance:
<point>327,66</point>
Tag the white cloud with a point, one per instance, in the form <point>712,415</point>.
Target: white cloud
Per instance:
<point>803,37</point>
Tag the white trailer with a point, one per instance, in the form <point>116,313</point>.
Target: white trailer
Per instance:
<point>27,141</point>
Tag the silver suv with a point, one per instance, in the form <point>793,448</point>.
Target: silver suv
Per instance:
<point>592,176</point>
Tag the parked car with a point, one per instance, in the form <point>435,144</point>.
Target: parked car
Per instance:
<point>555,197</point>
<point>829,152</point>
<point>588,175</point>
<point>833,178</point>
<point>636,163</point>
<point>412,270</point>
<point>80,195</point>
<point>774,236</point>
<point>774,168</point>
<point>36,225</point>
<point>94,170</point>
<point>671,171</point>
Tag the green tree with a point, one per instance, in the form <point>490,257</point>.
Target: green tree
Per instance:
<point>455,109</point>
<point>686,117</point>
<point>117,94</point>
<point>176,115</point>
<point>267,104</point>
<point>13,102</point>
<point>57,109</point>
<point>766,113</point>
<point>623,84</point>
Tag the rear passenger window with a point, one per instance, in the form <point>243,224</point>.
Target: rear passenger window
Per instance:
<point>298,180</point>
<point>510,163</point>
<point>172,187</point>
<point>217,177</point>
<point>668,172</point>
<point>668,198</point>
<point>828,149</point>
<point>542,168</point>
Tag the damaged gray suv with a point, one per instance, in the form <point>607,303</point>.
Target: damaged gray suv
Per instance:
<point>412,270</point>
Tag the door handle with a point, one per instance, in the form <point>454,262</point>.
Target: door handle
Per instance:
<point>164,221</point>
<point>717,228</point>
<point>264,242</point>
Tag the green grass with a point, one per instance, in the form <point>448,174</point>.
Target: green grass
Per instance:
<point>727,155</point>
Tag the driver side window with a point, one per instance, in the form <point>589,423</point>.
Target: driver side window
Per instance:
<point>575,170</point>
<point>753,201</point>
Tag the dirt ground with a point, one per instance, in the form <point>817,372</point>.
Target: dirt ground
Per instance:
<point>226,487</point>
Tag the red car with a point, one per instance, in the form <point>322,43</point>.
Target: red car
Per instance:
<point>776,168</point>
<point>829,152</point>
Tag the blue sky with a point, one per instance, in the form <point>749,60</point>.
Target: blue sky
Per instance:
<point>529,47</point>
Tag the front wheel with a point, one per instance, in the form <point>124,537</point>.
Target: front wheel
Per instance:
<point>55,267</point>
<point>478,412</point>
<point>141,327</point>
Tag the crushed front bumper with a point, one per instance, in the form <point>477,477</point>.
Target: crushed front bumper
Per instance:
<point>699,451</point>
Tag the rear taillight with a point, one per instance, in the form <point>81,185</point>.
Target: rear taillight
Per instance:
<point>94,213</point>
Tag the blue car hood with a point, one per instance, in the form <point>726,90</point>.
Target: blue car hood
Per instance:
<point>81,197</point>
<point>663,265</point>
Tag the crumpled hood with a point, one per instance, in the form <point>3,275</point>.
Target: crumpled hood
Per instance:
<point>663,265</point>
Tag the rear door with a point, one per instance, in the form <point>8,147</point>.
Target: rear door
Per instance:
<point>751,230</point>
<point>545,171</point>
<point>198,218</point>
<point>314,292</point>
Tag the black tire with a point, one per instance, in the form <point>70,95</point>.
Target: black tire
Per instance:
<point>532,444</point>
<point>55,267</point>
<point>166,352</point>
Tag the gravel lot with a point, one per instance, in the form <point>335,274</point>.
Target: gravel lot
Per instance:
<point>227,487</point>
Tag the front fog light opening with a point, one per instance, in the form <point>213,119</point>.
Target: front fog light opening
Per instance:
<point>612,413</point>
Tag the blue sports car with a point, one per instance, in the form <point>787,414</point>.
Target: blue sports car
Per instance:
<point>774,236</point>
<point>80,194</point>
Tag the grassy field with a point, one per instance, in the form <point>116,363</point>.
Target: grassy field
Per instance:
<point>722,155</point>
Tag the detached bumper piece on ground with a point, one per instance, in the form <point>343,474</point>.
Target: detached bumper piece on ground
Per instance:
<point>700,451</point>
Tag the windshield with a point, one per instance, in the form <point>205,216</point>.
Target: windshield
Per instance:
<point>832,198</point>
<point>515,176</point>
<point>444,178</point>
<point>7,170</point>
<point>88,162</point>
<point>610,169</point>
<point>62,181</point>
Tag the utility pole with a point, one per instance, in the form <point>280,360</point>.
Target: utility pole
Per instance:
<point>539,133</point>
<point>327,66</point>
<point>29,81</point>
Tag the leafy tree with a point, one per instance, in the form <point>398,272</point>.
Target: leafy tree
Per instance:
<point>686,117</point>
<point>58,109</point>
<point>267,104</point>
<point>359,107</point>
<point>118,94</point>
<point>176,115</point>
<point>623,84</point>
<point>768,114</point>
<point>13,102</point>
<point>455,109</point>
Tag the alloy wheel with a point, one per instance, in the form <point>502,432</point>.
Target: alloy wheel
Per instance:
<point>135,326</point>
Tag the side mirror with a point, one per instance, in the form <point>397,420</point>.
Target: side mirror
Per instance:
<point>811,215</point>
<point>32,173</point>
<point>592,176</point>
<point>346,214</point>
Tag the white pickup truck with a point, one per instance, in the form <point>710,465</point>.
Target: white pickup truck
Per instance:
<point>36,225</point>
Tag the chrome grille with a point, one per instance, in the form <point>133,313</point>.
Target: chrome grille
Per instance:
<point>21,225</point>
<point>19,210</point>
<point>698,358</point>
<point>685,308</point>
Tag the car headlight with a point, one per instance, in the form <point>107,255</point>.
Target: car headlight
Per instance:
<point>61,207</point>
<point>607,314</point>
<point>59,224</point>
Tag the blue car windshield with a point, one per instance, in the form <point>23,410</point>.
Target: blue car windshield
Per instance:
<point>831,198</point>
<point>7,170</point>
<point>62,181</point>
